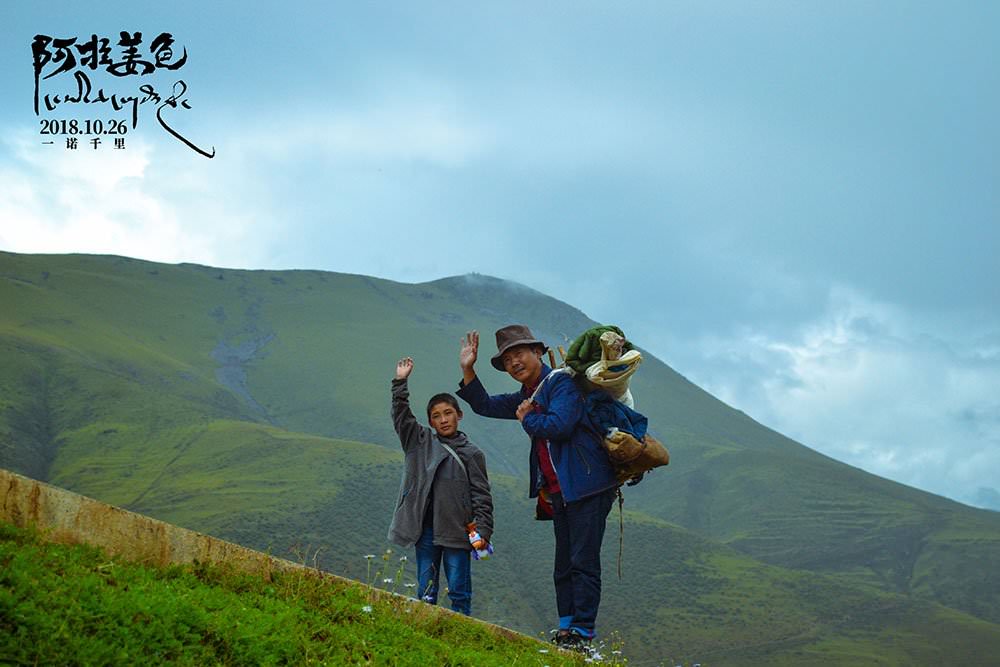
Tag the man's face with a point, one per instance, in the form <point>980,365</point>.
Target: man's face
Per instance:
<point>444,419</point>
<point>523,362</point>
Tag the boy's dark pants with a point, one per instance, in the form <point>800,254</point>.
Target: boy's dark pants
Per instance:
<point>579,531</point>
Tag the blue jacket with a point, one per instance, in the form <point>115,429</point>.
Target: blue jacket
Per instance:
<point>578,455</point>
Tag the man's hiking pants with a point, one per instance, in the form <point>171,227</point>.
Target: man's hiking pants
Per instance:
<point>579,531</point>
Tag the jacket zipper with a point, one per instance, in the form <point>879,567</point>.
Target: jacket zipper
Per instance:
<point>548,450</point>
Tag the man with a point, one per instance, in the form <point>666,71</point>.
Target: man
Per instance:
<point>570,473</point>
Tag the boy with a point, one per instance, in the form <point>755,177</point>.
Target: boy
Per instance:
<point>444,488</point>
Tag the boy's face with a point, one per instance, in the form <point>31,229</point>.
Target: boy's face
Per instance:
<point>523,362</point>
<point>444,419</point>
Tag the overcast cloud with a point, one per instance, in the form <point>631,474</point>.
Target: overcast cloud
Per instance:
<point>796,204</point>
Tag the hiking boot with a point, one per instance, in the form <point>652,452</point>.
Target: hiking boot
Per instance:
<point>572,641</point>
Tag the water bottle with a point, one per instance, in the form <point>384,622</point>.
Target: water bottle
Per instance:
<point>481,549</point>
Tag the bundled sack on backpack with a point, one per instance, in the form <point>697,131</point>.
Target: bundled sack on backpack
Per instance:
<point>614,369</point>
<point>586,349</point>
<point>604,356</point>
<point>631,457</point>
<point>630,448</point>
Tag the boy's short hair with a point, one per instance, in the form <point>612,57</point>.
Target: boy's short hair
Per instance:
<point>442,398</point>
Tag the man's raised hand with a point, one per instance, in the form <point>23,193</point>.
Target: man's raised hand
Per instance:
<point>403,368</point>
<point>469,351</point>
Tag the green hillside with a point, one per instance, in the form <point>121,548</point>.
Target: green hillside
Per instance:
<point>241,403</point>
<point>704,601</point>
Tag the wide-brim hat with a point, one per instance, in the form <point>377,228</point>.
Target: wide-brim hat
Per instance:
<point>512,336</point>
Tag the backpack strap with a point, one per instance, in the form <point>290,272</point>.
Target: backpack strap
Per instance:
<point>562,369</point>
<point>621,530</point>
<point>468,479</point>
<point>457,458</point>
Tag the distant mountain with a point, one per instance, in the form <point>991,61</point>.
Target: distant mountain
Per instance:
<point>253,405</point>
<point>987,498</point>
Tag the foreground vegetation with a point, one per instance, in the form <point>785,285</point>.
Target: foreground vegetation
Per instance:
<point>63,605</point>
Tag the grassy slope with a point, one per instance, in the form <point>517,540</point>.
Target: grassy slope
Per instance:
<point>708,603</point>
<point>75,605</point>
<point>110,388</point>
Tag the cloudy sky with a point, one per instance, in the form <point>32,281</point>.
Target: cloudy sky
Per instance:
<point>795,204</point>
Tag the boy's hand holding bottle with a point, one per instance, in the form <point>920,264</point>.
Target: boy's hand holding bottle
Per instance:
<point>481,549</point>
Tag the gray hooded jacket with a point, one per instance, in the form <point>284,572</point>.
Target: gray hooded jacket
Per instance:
<point>458,496</point>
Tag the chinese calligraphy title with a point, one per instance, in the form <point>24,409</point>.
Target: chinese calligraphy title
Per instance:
<point>53,57</point>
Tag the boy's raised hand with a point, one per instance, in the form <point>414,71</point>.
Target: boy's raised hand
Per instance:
<point>469,351</point>
<point>403,368</point>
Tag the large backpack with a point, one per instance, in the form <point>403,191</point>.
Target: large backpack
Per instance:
<point>603,361</point>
